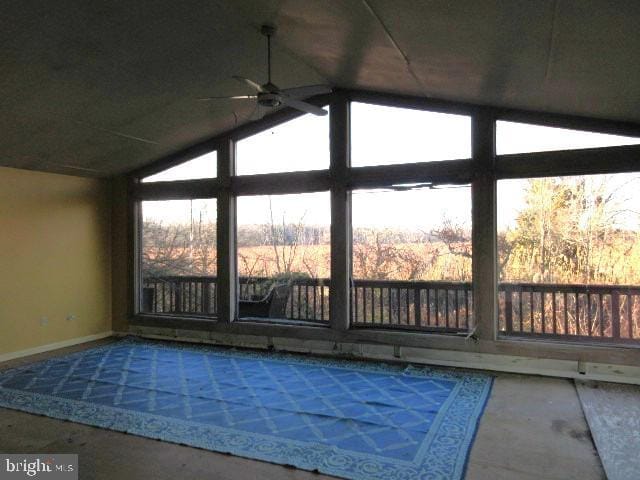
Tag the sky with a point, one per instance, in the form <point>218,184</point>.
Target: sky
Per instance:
<point>379,135</point>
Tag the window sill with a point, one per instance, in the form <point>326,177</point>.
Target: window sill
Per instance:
<point>281,321</point>
<point>579,342</point>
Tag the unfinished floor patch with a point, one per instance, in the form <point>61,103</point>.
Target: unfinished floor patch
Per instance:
<point>613,413</point>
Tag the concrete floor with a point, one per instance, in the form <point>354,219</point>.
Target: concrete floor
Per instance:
<point>532,428</point>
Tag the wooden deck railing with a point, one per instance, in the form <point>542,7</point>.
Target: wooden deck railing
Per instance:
<point>594,312</point>
<point>180,294</point>
<point>408,305</point>
<point>196,295</point>
<point>574,312</point>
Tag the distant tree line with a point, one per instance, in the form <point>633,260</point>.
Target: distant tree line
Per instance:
<point>577,230</point>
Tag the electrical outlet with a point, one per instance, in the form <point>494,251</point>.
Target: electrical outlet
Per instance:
<point>71,317</point>
<point>44,321</point>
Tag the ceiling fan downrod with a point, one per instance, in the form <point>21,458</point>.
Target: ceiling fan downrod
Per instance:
<point>268,31</point>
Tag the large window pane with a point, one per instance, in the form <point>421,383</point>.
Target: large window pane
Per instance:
<point>284,256</point>
<point>512,137</point>
<point>569,254</point>
<point>300,144</point>
<point>412,258</point>
<point>389,135</point>
<point>205,166</point>
<point>179,257</point>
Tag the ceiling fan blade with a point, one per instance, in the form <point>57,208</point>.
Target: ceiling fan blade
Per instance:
<point>251,83</point>
<point>303,106</point>
<point>308,91</point>
<point>236,97</point>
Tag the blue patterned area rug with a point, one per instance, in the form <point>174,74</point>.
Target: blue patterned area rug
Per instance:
<point>356,420</point>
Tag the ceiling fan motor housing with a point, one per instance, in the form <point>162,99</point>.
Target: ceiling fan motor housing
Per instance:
<point>268,30</point>
<point>269,99</point>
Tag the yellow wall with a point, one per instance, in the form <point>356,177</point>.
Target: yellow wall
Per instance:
<point>55,258</point>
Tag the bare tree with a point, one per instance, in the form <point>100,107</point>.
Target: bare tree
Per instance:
<point>164,250</point>
<point>285,240</point>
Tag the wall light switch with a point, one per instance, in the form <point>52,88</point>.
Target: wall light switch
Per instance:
<point>44,321</point>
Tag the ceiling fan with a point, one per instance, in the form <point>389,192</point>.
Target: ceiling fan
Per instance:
<point>270,96</point>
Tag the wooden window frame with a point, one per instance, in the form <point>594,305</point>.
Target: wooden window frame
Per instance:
<point>482,171</point>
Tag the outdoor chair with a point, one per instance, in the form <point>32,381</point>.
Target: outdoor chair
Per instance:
<point>272,305</point>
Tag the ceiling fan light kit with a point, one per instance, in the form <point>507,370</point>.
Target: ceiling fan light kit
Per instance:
<point>269,95</point>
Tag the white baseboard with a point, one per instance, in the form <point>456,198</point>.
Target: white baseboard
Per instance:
<point>54,346</point>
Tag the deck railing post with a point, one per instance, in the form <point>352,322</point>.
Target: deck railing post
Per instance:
<point>417,306</point>
<point>508,310</point>
<point>178,291</point>
<point>615,314</point>
<point>206,296</point>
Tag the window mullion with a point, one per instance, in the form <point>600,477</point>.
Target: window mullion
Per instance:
<point>339,305</point>
<point>586,161</point>
<point>456,172</point>
<point>226,242</point>
<point>484,241</point>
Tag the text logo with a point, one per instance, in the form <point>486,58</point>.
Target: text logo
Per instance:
<point>39,466</point>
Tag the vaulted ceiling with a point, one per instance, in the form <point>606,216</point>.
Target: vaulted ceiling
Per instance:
<point>98,88</point>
